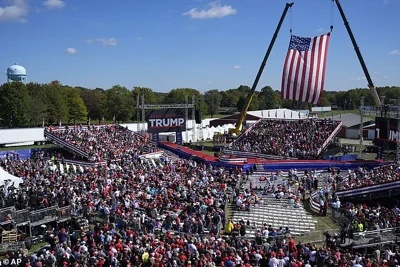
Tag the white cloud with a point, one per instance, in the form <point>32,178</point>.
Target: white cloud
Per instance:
<point>320,30</point>
<point>395,52</point>
<point>237,67</point>
<point>363,78</point>
<point>215,10</point>
<point>104,41</point>
<point>386,77</point>
<point>139,38</point>
<point>71,51</point>
<point>54,4</point>
<point>16,11</point>
<point>385,2</point>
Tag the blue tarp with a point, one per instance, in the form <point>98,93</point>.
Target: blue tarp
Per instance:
<point>341,158</point>
<point>22,153</point>
<point>286,165</point>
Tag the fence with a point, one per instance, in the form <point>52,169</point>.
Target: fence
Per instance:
<point>35,217</point>
<point>42,216</point>
<point>21,216</point>
<point>13,246</point>
<point>7,214</point>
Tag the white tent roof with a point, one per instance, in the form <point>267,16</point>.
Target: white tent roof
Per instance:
<point>4,176</point>
<point>282,113</point>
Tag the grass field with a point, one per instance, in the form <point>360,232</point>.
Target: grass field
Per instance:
<point>26,147</point>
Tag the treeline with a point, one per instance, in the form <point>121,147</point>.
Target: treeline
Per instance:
<point>29,105</point>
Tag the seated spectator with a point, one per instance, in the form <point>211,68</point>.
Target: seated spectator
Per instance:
<point>289,138</point>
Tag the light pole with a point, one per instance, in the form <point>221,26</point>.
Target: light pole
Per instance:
<point>398,131</point>
<point>361,126</point>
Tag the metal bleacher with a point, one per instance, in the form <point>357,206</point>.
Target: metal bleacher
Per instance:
<point>71,148</point>
<point>277,213</point>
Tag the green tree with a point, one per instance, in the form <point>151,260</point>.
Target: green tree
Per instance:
<point>94,101</point>
<point>14,104</point>
<point>76,107</point>
<point>212,98</point>
<point>324,102</point>
<point>37,103</point>
<point>160,96</point>
<point>177,96</point>
<point>57,104</point>
<point>119,103</point>
<point>230,98</point>
<point>267,98</point>
<point>149,96</point>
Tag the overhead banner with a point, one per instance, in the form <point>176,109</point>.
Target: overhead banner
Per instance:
<point>166,120</point>
<point>386,133</point>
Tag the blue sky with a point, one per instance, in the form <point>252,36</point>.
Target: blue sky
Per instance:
<point>166,44</point>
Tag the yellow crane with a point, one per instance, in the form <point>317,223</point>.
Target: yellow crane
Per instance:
<point>239,123</point>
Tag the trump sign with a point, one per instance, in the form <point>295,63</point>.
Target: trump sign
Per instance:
<point>166,120</point>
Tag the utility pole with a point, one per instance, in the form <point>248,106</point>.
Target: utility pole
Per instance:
<point>187,118</point>
<point>143,116</point>
<point>398,131</point>
<point>361,126</point>
<point>194,119</point>
<point>138,112</point>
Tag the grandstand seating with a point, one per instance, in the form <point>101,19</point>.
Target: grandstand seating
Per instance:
<point>285,139</point>
<point>278,213</point>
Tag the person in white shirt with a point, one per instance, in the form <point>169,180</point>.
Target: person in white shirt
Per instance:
<point>389,254</point>
<point>273,262</point>
<point>313,255</point>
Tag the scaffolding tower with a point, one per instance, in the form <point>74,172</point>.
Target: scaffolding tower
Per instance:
<point>388,112</point>
<point>142,107</point>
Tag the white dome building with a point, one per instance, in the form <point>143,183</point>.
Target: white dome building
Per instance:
<point>16,73</point>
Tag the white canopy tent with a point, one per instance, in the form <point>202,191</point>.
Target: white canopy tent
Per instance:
<point>8,179</point>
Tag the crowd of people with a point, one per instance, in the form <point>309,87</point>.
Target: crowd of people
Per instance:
<point>158,214</point>
<point>102,143</point>
<point>364,177</point>
<point>288,138</point>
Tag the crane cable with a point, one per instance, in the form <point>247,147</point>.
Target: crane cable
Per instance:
<point>290,11</point>
<point>332,14</point>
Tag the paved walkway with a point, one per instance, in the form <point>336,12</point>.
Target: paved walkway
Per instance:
<point>355,141</point>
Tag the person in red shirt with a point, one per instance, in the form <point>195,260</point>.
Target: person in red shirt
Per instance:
<point>291,244</point>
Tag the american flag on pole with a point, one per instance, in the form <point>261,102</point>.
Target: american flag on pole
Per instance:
<point>304,70</point>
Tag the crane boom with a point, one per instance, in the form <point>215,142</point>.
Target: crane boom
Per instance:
<point>243,114</point>
<point>360,57</point>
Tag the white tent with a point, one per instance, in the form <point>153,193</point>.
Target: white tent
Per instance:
<point>6,177</point>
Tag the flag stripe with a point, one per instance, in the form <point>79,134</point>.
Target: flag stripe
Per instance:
<point>319,69</point>
<point>324,66</point>
<point>297,74</point>
<point>310,78</point>
<point>304,69</point>
<point>303,78</point>
<point>284,78</point>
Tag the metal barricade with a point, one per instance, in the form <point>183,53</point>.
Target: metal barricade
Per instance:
<point>5,213</point>
<point>64,213</point>
<point>12,246</point>
<point>22,216</point>
<point>43,216</point>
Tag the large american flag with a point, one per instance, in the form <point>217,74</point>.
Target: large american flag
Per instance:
<point>304,70</point>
